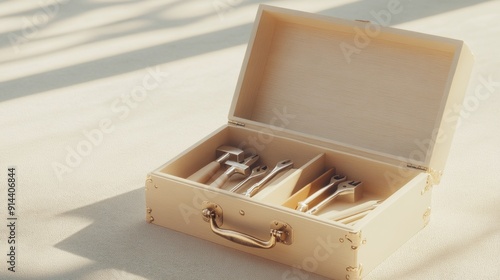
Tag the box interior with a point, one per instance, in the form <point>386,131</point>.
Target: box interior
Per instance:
<point>383,91</point>
<point>310,163</point>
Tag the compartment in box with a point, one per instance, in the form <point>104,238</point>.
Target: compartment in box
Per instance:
<point>289,187</point>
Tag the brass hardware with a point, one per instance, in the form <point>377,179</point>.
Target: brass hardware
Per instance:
<point>355,239</point>
<point>150,219</point>
<point>242,213</point>
<point>427,216</point>
<point>356,270</point>
<point>236,123</point>
<point>341,240</point>
<point>415,166</point>
<point>211,209</point>
<point>149,182</point>
<point>428,185</point>
<point>279,231</point>
<point>149,210</point>
<point>435,176</point>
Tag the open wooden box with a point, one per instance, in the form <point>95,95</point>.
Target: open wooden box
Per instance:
<point>376,107</point>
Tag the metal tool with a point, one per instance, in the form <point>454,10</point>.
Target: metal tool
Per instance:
<point>256,172</point>
<point>345,188</point>
<point>223,153</point>
<point>363,208</point>
<point>303,206</point>
<point>280,166</point>
<point>234,168</point>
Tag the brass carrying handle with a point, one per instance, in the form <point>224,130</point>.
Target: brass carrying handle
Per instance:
<point>279,232</point>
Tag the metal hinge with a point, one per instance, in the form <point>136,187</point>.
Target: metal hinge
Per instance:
<point>236,123</point>
<point>354,272</point>
<point>416,166</point>
<point>434,175</point>
<point>355,239</point>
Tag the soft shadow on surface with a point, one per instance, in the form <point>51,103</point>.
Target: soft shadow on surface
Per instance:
<point>183,48</point>
<point>124,63</point>
<point>112,65</point>
<point>409,10</point>
<point>120,240</point>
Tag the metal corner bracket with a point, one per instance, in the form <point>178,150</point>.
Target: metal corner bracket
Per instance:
<point>354,272</point>
<point>355,239</point>
<point>434,176</point>
<point>149,182</point>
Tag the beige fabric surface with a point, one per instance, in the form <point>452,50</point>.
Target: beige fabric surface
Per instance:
<point>94,94</point>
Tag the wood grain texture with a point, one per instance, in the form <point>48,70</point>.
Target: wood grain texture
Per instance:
<point>388,97</point>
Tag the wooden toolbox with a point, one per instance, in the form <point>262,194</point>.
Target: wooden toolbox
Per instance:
<point>335,97</point>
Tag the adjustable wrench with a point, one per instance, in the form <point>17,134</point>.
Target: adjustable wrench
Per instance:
<point>303,206</point>
<point>256,172</point>
<point>280,166</point>
<point>345,188</point>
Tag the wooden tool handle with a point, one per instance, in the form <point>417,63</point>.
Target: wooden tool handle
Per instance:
<point>204,174</point>
<point>219,182</point>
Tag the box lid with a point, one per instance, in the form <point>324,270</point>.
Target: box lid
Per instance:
<point>382,92</point>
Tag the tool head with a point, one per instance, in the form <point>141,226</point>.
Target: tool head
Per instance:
<point>259,170</point>
<point>225,153</point>
<point>284,164</point>
<point>243,167</point>
<point>350,190</point>
<point>337,179</point>
<point>303,206</point>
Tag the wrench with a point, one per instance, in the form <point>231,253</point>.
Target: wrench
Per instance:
<point>256,172</point>
<point>303,206</point>
<point>355,210</point>
<point>343,189</point>
<point>280,166</point>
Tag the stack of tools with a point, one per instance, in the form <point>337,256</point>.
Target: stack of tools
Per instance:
<point>314,197</point>
<point>236,163</point>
